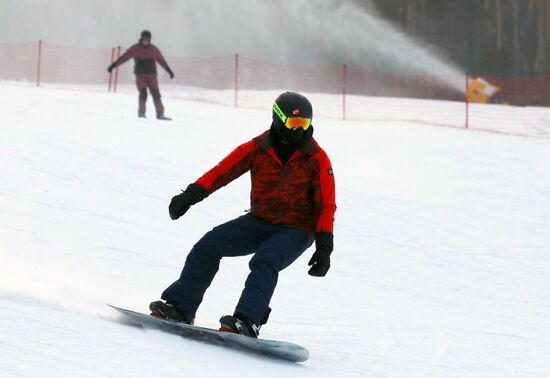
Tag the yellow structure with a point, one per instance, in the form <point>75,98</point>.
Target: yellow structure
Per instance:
<point>483,92</point>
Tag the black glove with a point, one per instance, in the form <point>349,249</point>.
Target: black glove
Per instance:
<point>111,67</point>
<point>170,73</point>
<point>324,243</point>
<point>182,202</point>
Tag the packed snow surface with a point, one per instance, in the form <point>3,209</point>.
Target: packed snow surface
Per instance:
<point>441,263</point>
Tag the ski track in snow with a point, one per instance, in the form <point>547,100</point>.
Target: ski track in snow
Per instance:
<point>440,267</point>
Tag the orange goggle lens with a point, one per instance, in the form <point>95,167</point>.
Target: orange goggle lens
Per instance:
<point>297,123</point>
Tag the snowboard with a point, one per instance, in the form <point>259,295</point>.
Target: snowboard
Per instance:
<point>276,349</point>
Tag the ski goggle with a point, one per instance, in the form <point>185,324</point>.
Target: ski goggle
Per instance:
<point>291,123</point>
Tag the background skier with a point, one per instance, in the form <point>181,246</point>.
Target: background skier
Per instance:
<point>292,204</point>
<point>146,55</point>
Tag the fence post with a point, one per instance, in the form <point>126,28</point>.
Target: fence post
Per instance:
<point>344,90</point>
<point>39,63</point>
<point>236,78</point>
<point>467,120</point>
<point>111,73</point>
<point>116,69</point>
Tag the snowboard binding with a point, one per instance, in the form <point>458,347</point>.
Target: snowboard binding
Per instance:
<point>230,323</point>
<point>171,311</point>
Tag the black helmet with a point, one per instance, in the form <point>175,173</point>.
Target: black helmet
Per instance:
<point>146,34</point>
<point>292,105</point>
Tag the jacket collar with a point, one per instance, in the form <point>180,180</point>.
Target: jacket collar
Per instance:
<point>263,140</point>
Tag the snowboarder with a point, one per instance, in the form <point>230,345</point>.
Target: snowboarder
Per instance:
<point>145,56</point>
<point>292,204</point>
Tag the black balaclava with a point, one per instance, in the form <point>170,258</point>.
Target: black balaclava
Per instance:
<point>284,140</point>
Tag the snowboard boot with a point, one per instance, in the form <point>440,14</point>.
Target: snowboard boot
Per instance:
<point>245,327</point>
<point>141,115</point>
<point>163,118</point>
<point>171,311</point>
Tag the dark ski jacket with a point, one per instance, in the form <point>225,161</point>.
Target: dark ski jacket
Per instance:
<point>299,193</point>
<point>145,58</point>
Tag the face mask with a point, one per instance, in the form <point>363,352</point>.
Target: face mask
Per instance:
<point>291,136</point>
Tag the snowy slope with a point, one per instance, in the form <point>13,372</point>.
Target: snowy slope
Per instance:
<point>440,267</point>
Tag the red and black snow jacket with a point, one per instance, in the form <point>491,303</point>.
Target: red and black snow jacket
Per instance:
<point>145,58</point>
<point>299,194</point>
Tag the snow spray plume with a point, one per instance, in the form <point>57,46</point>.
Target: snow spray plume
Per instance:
<point>309,32</point>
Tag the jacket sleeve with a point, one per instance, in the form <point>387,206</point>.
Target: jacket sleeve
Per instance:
<point>231,167</point>
<point>324,195</point>
<point>128,54</point>
<point>160,60</point>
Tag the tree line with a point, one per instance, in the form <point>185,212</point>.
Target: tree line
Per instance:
<point>485,37</point>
